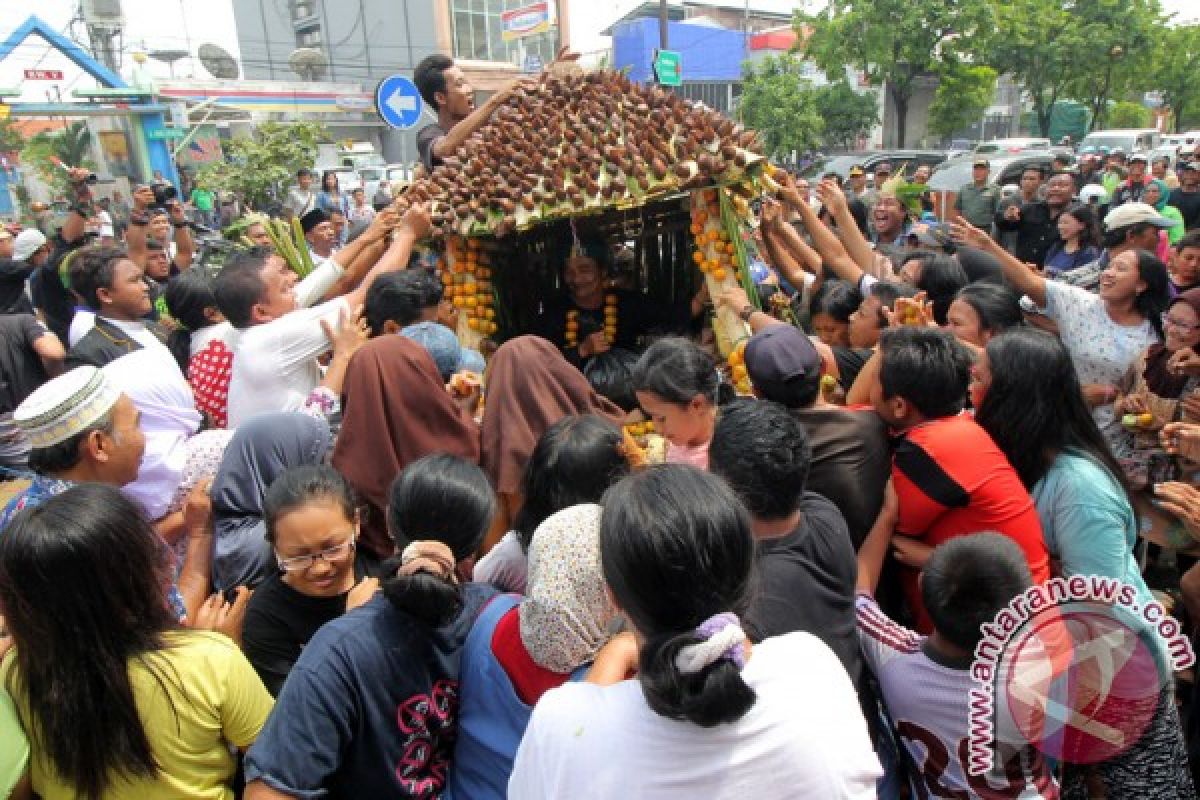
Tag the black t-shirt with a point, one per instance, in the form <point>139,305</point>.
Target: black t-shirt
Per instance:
<point>1188,204</point>
<point>851,463</point>
<point>806,583</point>
<point>13,275</point>
<point>636,317</point>
<point>279,622</point>
<point>370,709</point>
<point>49,293</point>
<point>850,361</point>
<point>426,138</point>
<point>21,369</point>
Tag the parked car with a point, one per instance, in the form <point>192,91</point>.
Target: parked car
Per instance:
<point>1006,168</point>
<point>1131,140</point>
<point>1014,145</point>
<point>908,160</point>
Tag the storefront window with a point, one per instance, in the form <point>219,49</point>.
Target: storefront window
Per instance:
<point>478,33</point>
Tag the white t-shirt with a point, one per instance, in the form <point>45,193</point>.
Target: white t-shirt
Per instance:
<point>275,364</point>
<point>1101,349</point>
<point>505,566</point>
<point>804,737</point>
<point>325,274</point>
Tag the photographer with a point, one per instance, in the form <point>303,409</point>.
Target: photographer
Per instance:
<point>156,210</point>
<point>50,294</point>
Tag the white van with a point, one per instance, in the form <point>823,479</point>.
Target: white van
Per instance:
<point>1185,141</point>
<point>1131,140</point>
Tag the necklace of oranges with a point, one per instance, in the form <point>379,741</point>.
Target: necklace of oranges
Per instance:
<point>610,321</point>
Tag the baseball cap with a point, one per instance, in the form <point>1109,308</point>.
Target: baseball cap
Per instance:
<point>1192,165</point>
<point>1139,157</point>
<point>1135,214</point>
<point>781,362</point>
<point>5,233</point>
<point>449,356</point>
<point>981,162</point>
<point>883,166</point>
<point>28,242</point>
<point>856,171</point>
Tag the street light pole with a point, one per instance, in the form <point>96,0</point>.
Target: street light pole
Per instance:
<point>662,24</point>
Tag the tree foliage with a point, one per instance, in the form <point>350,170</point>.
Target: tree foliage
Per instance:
<point>1129,115</point>
<point>892,42</point>
<point>1175,71</point>
<point>962,95</point>
<point>1121,38</point>
<point>11,140</point>
<point>259,167</point>
<point>45,151</point>
<point>778,103</point>
<point>846,114</point>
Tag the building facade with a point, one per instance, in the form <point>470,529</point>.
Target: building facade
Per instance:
<point>364,41</point>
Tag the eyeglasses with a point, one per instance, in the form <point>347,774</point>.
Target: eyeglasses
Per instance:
<point>330,555</point>
<point>1183,327</point>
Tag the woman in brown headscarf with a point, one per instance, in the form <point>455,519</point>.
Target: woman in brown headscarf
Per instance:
<point>530,386</point>
<point>396,410</point>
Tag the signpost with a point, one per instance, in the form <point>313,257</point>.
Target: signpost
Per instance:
<point>43,75</point>
<point>668,67</point>
<point>166,133</point>
<point>398,102</point>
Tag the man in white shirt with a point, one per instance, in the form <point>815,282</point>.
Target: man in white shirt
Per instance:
<point>277,343</point>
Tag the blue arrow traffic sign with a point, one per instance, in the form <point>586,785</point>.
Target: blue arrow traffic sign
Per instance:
<point>398,102</point>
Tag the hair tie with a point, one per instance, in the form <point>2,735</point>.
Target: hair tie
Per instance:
<point>723,638</point>
<point>430,556</point>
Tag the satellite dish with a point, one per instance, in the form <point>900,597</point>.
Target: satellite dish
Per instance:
<point>219,63</point>
<point>308,62</point>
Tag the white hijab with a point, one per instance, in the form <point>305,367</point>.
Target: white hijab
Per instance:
<point>168,419</point>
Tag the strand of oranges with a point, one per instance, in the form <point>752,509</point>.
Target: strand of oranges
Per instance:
<point>737,369</point>
<point>714,251</point>
<point>611,319</point>
<point>466,275</point>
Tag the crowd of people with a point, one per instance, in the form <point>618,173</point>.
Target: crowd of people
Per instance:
<point>271,537</point>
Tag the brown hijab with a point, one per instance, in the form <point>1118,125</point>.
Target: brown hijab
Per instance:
<point>395,411</point>
<point>530,386</point>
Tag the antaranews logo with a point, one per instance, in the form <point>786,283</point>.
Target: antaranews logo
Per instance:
<point>1073,667</point>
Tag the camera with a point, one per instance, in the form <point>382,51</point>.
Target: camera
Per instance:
<point>164,194</point>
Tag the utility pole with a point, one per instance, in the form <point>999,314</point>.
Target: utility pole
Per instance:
<point>662,25</point>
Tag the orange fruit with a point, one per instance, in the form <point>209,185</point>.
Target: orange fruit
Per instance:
<point>720,274</point>
<point>490,313</point>
<point>698,257</point>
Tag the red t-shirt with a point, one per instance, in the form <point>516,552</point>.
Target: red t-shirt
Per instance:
<point>952,480</point>
<point>529,679</point>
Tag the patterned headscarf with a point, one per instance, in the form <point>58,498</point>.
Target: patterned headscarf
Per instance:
<point>566,613</point>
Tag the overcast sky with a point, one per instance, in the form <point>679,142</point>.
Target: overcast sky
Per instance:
<point>176,24</point>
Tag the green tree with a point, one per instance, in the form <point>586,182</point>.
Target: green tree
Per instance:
<point>47,151</point>
<point>893,42</point>
<point>778,103</point>
<point>1036,42</point>
<point>11,140</point>
<point>962,95</point>
<point>1175,69</point>
<point>847,114</point>
<point>258,167</point>
<point>1122,37</point>
<point>1129,115</point>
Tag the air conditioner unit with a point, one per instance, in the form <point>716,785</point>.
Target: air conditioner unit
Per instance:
<point>103,13</point>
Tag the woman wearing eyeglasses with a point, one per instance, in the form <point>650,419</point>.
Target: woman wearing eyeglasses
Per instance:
<point>1153,393</point>
<point>312,526</point>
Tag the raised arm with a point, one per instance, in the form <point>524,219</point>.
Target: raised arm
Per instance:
<point>414,226</point>
<point>857,246</point>
<point>458,135</point>
<point>185,246</point>
<point>833,252</point>
<point>358,257</point>
<point>1022,278</point>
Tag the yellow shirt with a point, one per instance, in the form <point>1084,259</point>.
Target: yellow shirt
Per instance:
<point>214,701</point>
